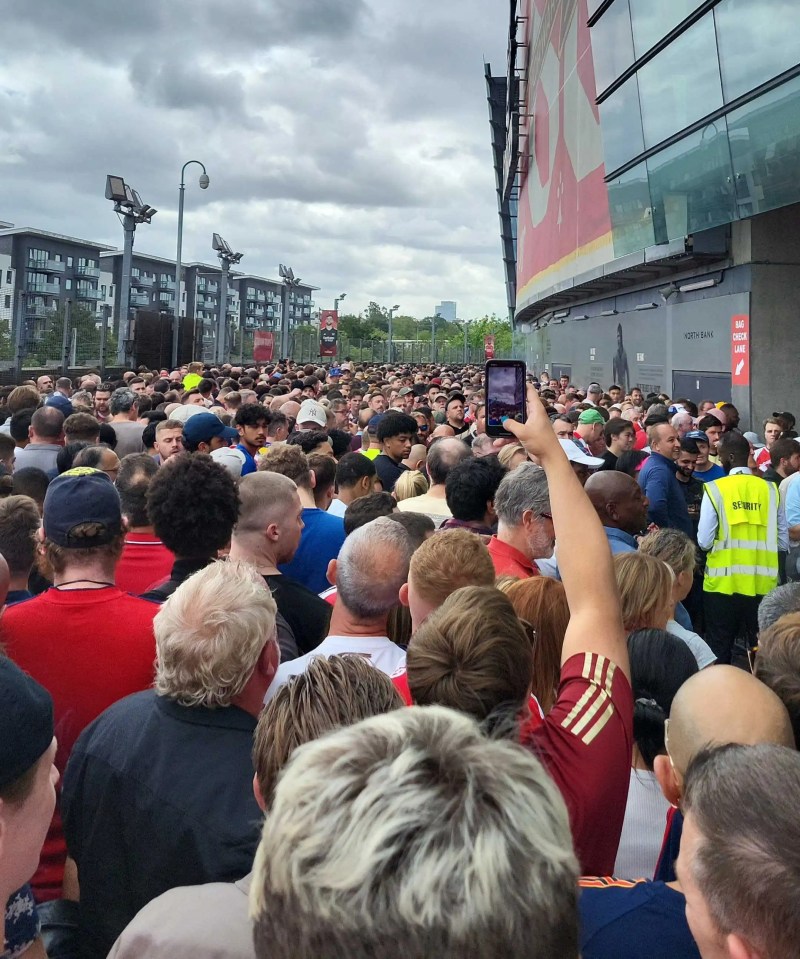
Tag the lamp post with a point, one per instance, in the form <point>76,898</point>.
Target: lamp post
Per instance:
<point>392,312</point>
<point>465,328</point>
<point>204,181</point>
<point>290,282</point>
<point>337,301</point>
<point>226,258</point>
<point>129,206</point>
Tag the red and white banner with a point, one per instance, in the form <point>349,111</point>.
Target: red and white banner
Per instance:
<point>488,347</point>
<point>740,349</point>
<point>328,332</point>
<point>263,346</point>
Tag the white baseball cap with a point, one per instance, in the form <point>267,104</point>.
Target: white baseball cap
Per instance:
<point>576,455</point>
<point>312,412</point>
<point>232,459</point>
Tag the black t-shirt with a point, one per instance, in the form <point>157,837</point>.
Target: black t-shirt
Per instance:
<point>693,494</point>
<point>307,615</point>
<point>388,471</point>
<point>609,461</point>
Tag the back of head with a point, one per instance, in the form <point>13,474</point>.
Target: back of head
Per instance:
<point>48,424</point>
<point>332,692</point>
<point>645,590</point>
<point>288,460</point>
<point>523,489</point>
<point>351,468</point>
<point>778,663</point>
<point>778,602</point>
<point>371,568</point>
<point>448,561</point>
<point>660,665</point>
<point>367,508</point>
<point>724,704</point>
<point>409,484</point>
<point>472,654</point>
<point>23,398</point>
<point>193,505</point>
<point>745,861</point>
<point>472,485</point>
<point>81,427</point>
<point>122,400</point>
<point>735,446</point>
<point>19,523</point>
<point>410,834</point>
<point>133,480</point>
<point>672,547</point>
<point>265,497</point>
<point>31,481</point>
<point>443,456</point>
<point>210,634</point>
<point>418,526</point>
<point>20,425</point>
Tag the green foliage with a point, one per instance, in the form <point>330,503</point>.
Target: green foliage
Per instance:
<point>45,339</point>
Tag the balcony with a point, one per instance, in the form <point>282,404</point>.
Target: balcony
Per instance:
<point>212,287</point>
<point>88,293</point>
<point>47,266</point>
<point>38,310</point>
<point>166,299</point>
<point>143,282</point>
<point>140,299</point>
<point>206,303</point>
<point>52,288</point>
<point>165,283</point>
<point>87,270</point>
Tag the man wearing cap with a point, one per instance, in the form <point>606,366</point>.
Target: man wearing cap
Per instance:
<point>589,431</point>
<point>312,416</point>
<point>85,640</point>
<point>704,469</point>
<point>251,422</point>
<point>583,465</point>
<point>205,433</point>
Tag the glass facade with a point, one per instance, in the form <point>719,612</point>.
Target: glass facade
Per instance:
<point>693,163</point>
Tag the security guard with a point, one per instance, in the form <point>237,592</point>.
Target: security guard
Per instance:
<point>742,526</point>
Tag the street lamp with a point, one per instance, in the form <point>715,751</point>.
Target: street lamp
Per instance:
<point>392,312</point>
<point>465,328</point>
<point>290,282</point>
<point>226,258</point>
<point>203,181</point>
<point>129,206</point>
<point>337,301</point>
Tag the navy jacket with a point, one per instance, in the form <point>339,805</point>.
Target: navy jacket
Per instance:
<point>667,502</point>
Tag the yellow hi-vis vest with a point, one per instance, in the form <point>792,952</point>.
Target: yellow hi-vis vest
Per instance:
<point>744,557</point>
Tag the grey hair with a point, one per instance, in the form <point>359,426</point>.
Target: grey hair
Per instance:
<point>680,416</point>
<point>210,633</point>
<point>525,488</point>
<point>412,834</point>
<point>778,602</point>
<point>443,456</point>
<point>743,800</point>
<point>372,566</point>
<point>122,401</point>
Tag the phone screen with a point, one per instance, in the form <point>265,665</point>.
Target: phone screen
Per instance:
<point>505,395</point>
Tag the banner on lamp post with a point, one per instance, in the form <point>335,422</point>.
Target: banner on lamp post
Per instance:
<point>328,332</point>
<point>263,346</point>
<point>488,347</point>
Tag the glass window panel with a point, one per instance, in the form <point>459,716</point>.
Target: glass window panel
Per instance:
<point>681,84</point>
<point>612,44</point>
<point>757,41</point>
<point>631,211</point>
<point>765,145</point>
<point>691,184</point>
<point>652,21</point>
<point>621,123</point>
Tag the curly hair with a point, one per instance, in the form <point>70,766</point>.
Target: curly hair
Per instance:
<point>193,505</point>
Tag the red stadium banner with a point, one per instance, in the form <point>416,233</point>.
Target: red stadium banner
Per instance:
<point>488,347</point>
<point>263,346</point>
<point>328,332</point>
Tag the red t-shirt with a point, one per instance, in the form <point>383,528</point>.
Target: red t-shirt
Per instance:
<point>88,648</point>
<point>145,561</point>
<point>586,742</point>
<point>509,561</point>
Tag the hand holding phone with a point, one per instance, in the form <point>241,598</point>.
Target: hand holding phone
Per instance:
<point>505,395</point>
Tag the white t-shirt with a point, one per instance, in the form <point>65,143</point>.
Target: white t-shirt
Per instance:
<point>337,508</point>
<point>384,655</point>
<point>701,650</point>
<point>643,827</point>
<point>434,506</point>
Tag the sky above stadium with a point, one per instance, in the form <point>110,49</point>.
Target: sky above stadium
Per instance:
<point>348,139</point>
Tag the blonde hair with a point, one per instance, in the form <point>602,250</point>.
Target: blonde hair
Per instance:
<point>410,483</point>
<point>447,561</point>
<point>508,452</point>
<point>210,633</point>
<point>645,589</point>
<point>673,547</point>
<point>334,691</point>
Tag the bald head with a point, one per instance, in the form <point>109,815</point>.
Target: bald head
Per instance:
<point>266,498</point>
<point>721,705</point>
<point>618,500</point>
<point>290,408</point>
<point>443,456</point>
<point>443,431</point>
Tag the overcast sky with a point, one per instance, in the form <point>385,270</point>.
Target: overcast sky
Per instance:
<point>346,138</point>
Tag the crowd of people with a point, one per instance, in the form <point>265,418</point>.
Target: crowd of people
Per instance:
<point>299,663</point>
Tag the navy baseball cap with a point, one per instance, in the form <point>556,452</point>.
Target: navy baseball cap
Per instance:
<point>81,496</point>
<point>202,427</point>
<point>334,371</point>
<point>374,423</point>
<point>697,436</point>
<point>61,403</point>
<point>26,724</point>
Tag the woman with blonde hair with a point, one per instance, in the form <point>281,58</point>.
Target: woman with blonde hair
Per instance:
<point>679,553</point>
<point>512,455</point>
<point>542,602</point>
<point>409,484</point>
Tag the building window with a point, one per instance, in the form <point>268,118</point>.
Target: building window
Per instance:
<point>69,261</point>
<point>68,284</point>
<point>9,276</point>
<point>612,44</point>
<point>621,123</point>
<point>111,290</point>
<point>8,302</point>
<point>652,21</point>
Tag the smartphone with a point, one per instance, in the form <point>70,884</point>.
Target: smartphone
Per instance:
<point>505,395</point>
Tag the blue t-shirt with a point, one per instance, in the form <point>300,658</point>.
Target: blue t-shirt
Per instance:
<point>320,542</point>
<point>629,919</point>
<point>249,461</point>
<point>716,472</point>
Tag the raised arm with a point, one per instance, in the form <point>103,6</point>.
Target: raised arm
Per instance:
<point>584,557</point>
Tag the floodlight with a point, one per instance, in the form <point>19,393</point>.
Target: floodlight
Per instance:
<point>129,198</point>
<point>342,296</point>
<point>396,307</point>
<point>216,242</point>
<point>204,181</point>
<point>115,189</point>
